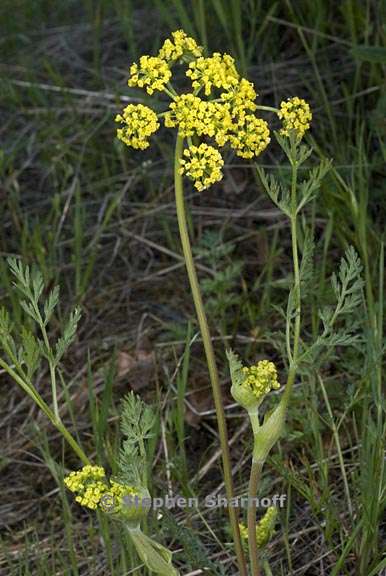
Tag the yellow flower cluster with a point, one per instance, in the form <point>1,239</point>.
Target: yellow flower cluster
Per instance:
<point>189,113</point>
<point>296,115</point>
<point>192,115</point>
<point>220,120</point>
<point>91,496</point>
<point>139,123</point>
<point>240,97</point>
<point>120,490</point>
<point>115,494</point>
<point>218,71</point>
<point>250,137</point>
<point>202,164</point>
<point>91,486</point>
<point>264,529</point>
<point>152,73</point>
<point>182,45</point>
<point>228,118</point>
<point>261,378</point>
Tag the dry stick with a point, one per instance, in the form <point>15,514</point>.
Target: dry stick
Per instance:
<point>214,379</point>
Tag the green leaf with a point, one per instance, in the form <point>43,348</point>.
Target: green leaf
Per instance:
<point>31,351</point>
<point>310,187</point>
<point>68,334</point>
<point>295,151</point>
<point>306,267</point>
<point>22,276</point>
<point>5,324</point>
<point>156,557</point>
<point>30,310</point>
<point>137,419</point>
<point>137,425</point>
<point>37,284</point>
<point>50,304</point>
<point>278,194</point>
<point>235,367</point>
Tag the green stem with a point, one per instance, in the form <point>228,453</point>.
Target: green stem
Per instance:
<point>267,108</point>
<point>254,480</point>
<point>293,358</point>
<point>72,442</point>
<point>34,394</point>
<point>52,368</point>
<point>295,257</point>
<point>267,568</point>
<point>214,379</point>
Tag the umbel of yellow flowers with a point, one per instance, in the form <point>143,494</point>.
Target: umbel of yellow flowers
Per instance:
<point>126,504</point>
<point>93,490</point>
<point>220,107</point>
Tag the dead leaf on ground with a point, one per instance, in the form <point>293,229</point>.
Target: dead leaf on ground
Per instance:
<point>137,368</point>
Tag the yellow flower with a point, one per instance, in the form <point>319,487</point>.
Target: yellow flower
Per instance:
<point>140,122</point>
<point>89,483</point>
<point>218,71</point>
<point>92,494</point>
<point>189,113</point>
<point>219,122</point>
<point>93,490</point>
<point>203,165</point>
<point>120,490</point>
<point>250,137</point>
<point>129,502</point>
<point>152,73</point>
<point>241,97</point>
<point>182,45</point>
<point>264,529</point>
<point>296,115</point>
<point>261,378</point>
<point>195,116</point>
<point>76,480</point>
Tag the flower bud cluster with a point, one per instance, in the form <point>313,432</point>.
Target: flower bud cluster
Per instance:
<point>261,378</point>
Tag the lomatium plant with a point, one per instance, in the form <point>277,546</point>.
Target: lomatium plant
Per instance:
<point>219,112</point>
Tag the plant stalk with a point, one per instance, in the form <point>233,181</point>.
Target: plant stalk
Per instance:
<point>257,465</point>
<point>34,394</point>
<point>296,267</point>
<point>212,367</point>
<point>254,480</point>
